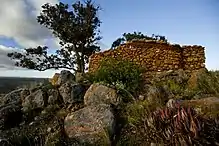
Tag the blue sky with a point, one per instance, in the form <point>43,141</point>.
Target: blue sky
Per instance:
<point>185,22</point>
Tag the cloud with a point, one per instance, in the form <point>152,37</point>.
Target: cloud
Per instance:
<point>7,67</point>
<point>18,22</point>
<point>5,62</point>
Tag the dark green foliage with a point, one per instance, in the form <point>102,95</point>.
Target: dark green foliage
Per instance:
<point>136,35</point>
<point>77,31</point>
<point>118,72</point>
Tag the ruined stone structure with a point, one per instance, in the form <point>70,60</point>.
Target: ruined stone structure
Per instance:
<point>155,56</point>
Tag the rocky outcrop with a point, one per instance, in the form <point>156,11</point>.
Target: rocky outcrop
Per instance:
<point>15,96</point>
<point>65,76</point>
<point>158,94</point>
<point>72,92</point>
<point>37,110</point>
<point>37,99</point>
<point>53,96</point>
<point>98,94</point>
<point>95,123</point>
<point>91,125</point>
<point>71,113</point>
<point>62,77</point>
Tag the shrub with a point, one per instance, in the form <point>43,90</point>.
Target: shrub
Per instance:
<point>168,126</point>
<point>209,83</point>
<point>182,125</point>
<point>133,116</point>
<point>119,73</point>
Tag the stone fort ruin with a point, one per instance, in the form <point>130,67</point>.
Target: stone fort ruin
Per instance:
<point>155,56</point>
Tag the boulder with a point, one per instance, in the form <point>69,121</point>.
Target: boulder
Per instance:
<point>72,92</point>
<point>10,116</point>
<point>14,96</point>
<point>65,76</point>
<point>100,94</point>
<point>37,99</point>
<point>53,96</point>
<point>24,94</point>
<point>158,94</point>
<point>92,125</point>
<point>62,77</point>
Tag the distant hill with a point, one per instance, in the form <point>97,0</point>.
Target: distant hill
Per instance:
<point>8,84</point>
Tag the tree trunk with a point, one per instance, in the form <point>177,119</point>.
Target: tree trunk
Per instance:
<point>80,63</point>
<point>78,60</point>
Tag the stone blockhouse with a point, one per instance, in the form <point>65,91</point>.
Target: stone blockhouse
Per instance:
<point>155,56</point>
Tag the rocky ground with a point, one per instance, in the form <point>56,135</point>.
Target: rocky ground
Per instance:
<point>73,113</point>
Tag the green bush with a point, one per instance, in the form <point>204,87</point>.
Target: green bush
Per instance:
<point>209,83</point>
<point>120,73</point>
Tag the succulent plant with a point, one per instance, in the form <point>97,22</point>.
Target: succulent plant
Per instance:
<point>182,125</point>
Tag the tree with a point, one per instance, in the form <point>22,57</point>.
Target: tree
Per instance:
<point>77,31</point>
<point>136,35</point>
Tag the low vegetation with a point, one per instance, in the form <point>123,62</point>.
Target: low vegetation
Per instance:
<point>209,83</point>
<point>146,124</point>
<point>122,74</point>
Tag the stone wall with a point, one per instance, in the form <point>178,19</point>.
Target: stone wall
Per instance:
<point>155,56</point>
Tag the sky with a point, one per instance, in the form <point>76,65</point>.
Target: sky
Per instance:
<point>185,22</point>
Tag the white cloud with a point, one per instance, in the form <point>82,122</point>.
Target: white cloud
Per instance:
<point>7,67</point>
<point>5,61</point>
<point>18,21</point>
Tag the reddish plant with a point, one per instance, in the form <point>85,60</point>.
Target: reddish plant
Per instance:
<point>181,125</point>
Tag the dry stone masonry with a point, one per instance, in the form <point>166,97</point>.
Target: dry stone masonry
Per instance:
<point>155,56</point>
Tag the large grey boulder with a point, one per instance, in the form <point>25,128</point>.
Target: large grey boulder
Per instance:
<point>100,94</point>
<point>37,99</point>
<point>14,96</point>
<point>158,94</point>
<point>92,125</point>
<point>72,92</point>
<point>65,76</point>
<point>53,96</point>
